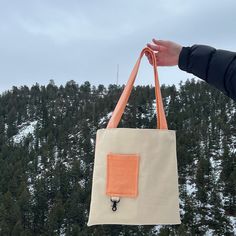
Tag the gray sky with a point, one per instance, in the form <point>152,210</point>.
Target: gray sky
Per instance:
<point>85,40</point>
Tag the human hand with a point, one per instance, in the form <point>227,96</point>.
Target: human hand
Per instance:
<point>167,52</point>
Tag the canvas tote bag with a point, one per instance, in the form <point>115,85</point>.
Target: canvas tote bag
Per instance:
<point>135,179</point>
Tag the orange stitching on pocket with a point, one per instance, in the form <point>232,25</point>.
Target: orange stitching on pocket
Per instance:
<point>122,175</point>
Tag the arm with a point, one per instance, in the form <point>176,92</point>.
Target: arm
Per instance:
<point>216,67</point>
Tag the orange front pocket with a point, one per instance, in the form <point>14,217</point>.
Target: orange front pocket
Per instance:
<point>122,175</point>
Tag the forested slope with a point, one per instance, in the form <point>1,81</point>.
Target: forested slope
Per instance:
<point>47,140</point>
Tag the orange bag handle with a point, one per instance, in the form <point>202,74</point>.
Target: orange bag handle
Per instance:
<point>120,106</point>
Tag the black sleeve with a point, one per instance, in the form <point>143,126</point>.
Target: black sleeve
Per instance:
<point>216,67</point>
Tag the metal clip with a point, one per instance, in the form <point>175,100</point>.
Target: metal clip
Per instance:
<point>114,203</point>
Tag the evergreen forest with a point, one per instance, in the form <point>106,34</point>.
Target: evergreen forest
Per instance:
<point>47,142</point>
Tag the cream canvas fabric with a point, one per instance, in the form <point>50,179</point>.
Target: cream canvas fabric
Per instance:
<point>157,201</point>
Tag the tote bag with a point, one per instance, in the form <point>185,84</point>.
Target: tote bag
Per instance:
<point>135,180</point>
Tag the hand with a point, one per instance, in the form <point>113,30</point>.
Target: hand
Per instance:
<point>167,52</point>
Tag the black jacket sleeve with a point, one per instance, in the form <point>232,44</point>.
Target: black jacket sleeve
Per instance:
<point>216,67</point>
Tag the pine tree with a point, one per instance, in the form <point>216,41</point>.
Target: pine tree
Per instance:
<point>9,214</point>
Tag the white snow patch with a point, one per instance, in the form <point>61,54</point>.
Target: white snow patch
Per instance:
<point>232,146</point>
<point>143,116</point>
<point>28,128</point>
<point>190,187</point>
<point>82,183</point>
<point>157,229</point>
<point>181,205</point>
<point>56,154</point>
<point>209,232</point>
<point>82,164</point>
<point>30,186</point>
<point>70,136</point>
<point>233,223</point>
<point>167,100</point>
<point>154,104</point>
<point>40,168</point>
<point>105,118</point>
<point>216,168</point>
<point>67,164</point>
<point>92,141</point>
<point>62,230</point>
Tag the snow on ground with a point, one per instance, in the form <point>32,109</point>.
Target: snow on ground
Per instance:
<point>216,168</point>
<point>233,223</point>
<point>232,146</point>
<point>82,164</point>
<point>154,105</point>
<point>209,232</point>
<point>30,186</point>
<point>190,188</point>
<point>157,229</point>
<point>105,118</point>
<point>82,183</point>
<point>27,128</point>
<point>181,206</point>
<point>92,141</point>
<point>40,168</point>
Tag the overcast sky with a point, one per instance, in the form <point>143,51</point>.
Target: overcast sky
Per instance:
<point>86,40</point>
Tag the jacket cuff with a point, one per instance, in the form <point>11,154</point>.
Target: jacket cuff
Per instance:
<point>183,58</point>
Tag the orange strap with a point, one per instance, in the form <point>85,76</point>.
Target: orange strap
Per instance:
<point>120,107</point>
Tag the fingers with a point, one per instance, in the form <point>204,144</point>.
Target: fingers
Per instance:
<point>156,47</point>
<point>153,47</point>
<point>159,59</point>
<point>161,42</point>
<point>149,58</point>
